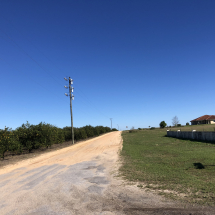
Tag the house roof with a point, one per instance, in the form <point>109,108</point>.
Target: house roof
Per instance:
<point>205,117</point>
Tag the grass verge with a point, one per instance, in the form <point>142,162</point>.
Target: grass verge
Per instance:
<point>180,169</point>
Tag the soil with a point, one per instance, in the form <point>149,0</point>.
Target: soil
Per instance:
<point>79,179</point>
<point>12,158</point>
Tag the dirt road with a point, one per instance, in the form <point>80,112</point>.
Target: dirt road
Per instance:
<point>79,179</point>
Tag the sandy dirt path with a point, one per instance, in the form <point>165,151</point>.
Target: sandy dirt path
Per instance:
<point>79,179</point>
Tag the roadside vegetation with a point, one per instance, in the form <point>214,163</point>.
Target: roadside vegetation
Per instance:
<point>29,137</point>
<point>180,169</point>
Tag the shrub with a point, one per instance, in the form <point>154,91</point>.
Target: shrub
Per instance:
<point>46,135</point>
<point>89,130</point>
<point>101,129</point>
<point>152,128</point>
<point>187,123</point>
<point>60,136</point>
<point>29,137</point>
<point>107,129</point>
<point>79,134</point>
<point>37,136</point>
<point>132,131</point>
<point>178,125</point>
<point>8,141</point>
<point>67,133</point>
<point>84,132</point>
<point>114,129</point>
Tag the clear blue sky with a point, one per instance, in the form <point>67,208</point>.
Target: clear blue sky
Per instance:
<point>136,61</point>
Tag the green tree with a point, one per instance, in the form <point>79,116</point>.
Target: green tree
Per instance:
<point>8,141</point>
<point>162,124</point>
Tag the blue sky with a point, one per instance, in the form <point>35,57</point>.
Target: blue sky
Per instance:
<point>138,62</point>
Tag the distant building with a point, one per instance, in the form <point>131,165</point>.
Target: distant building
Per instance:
<point>206,119</point>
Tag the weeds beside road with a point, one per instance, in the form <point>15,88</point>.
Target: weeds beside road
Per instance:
<point>180,169</point>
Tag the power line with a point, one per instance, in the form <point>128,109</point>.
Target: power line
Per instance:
<point>92,104</point>
<point>45,69</point>
<point>28,55</point>
<point>30,42</point>
<point>51,92</point>
<point>33,80</point>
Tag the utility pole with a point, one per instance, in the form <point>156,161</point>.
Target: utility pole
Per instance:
<point>111,122</point>
<point>71,98</point>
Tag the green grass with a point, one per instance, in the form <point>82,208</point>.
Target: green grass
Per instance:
<point>166,163</point>
<point>204,127</point>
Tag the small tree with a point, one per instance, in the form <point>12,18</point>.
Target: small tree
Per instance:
<point>175,121</point>
<point>187,123</point>
<point>8,141</point>
<point>162,124</point>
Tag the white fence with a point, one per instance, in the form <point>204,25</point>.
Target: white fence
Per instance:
<point>193,135</point>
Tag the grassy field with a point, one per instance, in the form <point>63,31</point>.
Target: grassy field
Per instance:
<point>206,127</point>
<point>180,169</point>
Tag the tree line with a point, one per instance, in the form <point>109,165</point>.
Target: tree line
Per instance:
<point>28,137</point>
<point>175,123</point>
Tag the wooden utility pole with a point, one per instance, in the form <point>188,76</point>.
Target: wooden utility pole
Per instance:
<point>71,98</point>
<point>111,122</point>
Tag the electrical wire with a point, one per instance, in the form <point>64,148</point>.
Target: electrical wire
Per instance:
<point>51,92</point>
<point>28,55</point>
<point>33,80</point>
<point>45,69</point>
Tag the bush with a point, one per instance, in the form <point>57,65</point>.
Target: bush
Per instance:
<point>162,124</point>
<point>84,132</point>
<point>187,123</point>
<point>114,129</point>
<point>152,128</point>
<point>107,129</point>
<point>67,133</point>
<point>29,137</point>
<point>79,134</point>
<point>89,130</point>
<point>132,131</point>
<point>8,141</point>
<point>178,125</point>
<point>101,129</point>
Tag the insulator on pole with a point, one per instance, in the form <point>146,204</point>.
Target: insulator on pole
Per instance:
<point>65,79</point>
<point>66,94</point>
<point>66,87</point>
